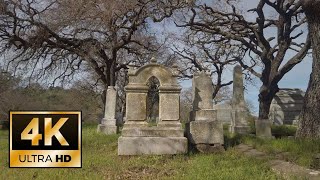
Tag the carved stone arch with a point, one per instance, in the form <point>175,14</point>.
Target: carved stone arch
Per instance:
<point>165,75</point>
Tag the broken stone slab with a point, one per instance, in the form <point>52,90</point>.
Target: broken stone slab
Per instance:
<point>263,128</point>
<point>152,145</point>
<point>243,147</point>
<point>205,132</point>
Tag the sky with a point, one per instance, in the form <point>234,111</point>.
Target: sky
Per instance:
<point>298,77</point>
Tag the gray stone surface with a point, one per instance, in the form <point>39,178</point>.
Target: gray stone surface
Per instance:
<point>286,106</point>
<point>224,112</point>
<point>152,145</point>
<point>263,129</point>
<point>205,132</point>
<point>108,123</point>
<point>238,92</point>
<point>202,90</point>
<point>203,115</point>
<point>167,137</point>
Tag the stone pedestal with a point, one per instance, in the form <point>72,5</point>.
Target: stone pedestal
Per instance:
<point>152,140</point>
<point>239,122</point>
<point>108,123</point>
<point>263,128</point>
<point>205,132</point>
<point>152,145</point>
<point>108,127</point>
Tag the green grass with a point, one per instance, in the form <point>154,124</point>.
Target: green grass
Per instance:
<point>299,151</point>
<point>100,161</point>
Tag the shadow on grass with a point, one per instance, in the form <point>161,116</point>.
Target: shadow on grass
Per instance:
<point>231,140</point>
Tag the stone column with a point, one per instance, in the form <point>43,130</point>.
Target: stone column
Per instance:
<point>239,113</point>
<point>205,132</point>
<point>108,123</point>
<point>238,93</point>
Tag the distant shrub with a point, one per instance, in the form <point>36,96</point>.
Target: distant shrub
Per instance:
<point>283,130</point>
<point>251,122</point>
<point>277,130</point>
<point>226,127</point>
<point>4,124</point>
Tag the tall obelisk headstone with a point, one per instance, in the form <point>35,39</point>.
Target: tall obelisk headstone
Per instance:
<point>108,123</point>
<point>204,131</point>
<point>239,114</point>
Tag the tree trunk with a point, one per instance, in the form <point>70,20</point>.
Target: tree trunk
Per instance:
<point>264,108</point>
<point>266,95</point>
<point>309,124</point>
<point>263,124</point>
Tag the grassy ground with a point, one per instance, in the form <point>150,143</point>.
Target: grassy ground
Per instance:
<point>100,161</point>
<point>298,151</point>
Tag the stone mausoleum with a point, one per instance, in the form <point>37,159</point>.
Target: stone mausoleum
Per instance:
<point>286,106</point>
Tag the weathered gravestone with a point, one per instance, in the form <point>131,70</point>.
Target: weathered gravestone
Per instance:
<point>204,131</point>
<point>286,106</point>
<point>168,136</point>
<point>239,112</point>
<point>108,123</point>
<point>224,112</point>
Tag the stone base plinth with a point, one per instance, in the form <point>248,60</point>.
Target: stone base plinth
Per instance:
<point>263,128</point>
<point>107,129</point>
<point>151,132</point>
<point>205,132</point>
<point>152,145</point>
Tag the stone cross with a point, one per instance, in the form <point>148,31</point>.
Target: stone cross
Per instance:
<point>108,123</point>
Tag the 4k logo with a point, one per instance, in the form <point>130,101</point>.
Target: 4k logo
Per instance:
<point>45,139</point>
